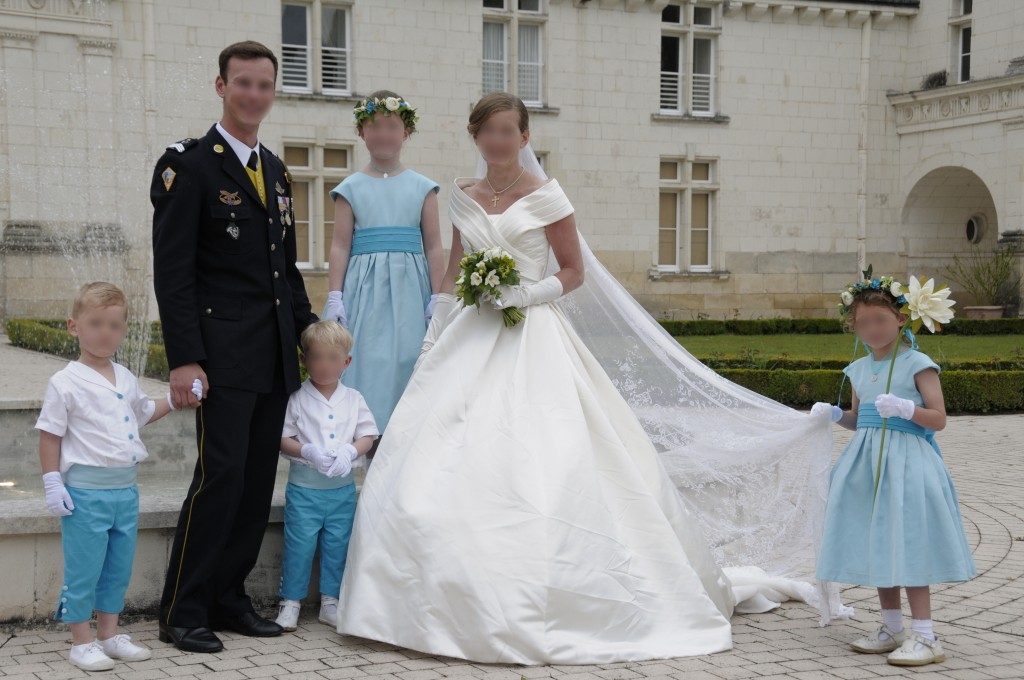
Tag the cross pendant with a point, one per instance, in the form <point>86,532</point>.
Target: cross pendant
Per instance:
<point>494,201</point>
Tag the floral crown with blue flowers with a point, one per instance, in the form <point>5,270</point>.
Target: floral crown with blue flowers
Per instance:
<point>367,108</point>
<point>882,284</point>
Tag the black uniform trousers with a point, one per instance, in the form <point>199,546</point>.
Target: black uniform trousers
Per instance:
<point>224,516</point>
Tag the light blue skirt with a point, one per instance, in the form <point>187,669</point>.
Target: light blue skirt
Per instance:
<point>386,294</point>
<point>914,536</point>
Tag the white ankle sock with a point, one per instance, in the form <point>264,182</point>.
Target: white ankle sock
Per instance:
<point>893,619</point>
<point>923,627</point>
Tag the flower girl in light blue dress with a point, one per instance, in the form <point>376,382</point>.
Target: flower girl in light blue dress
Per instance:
<point>910,535</point>
<point>385,260</point>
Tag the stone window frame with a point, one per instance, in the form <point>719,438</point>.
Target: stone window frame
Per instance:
<point>688,32</point>
<point>684,187</point>
<point>316,54</point>
<point>510,17</point>
<point>318,179</point>
<point>961,24</point>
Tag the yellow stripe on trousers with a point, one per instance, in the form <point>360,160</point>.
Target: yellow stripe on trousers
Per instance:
<point>188,522</point>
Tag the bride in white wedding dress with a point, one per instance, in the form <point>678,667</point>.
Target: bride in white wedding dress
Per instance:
<point>519,509</point>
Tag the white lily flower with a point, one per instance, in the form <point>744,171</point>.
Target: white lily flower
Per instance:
<point>927,304</point>
<point>492,278</point>
<point>475,279</point>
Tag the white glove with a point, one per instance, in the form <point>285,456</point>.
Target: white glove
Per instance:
<point>58,500</point>
<point>429,313</point>
<point>318,458</point>
<point>442,313</point>
<point>891,406</point>
<point>546,290</point>
<point>197,389</point>
<point>335,310</point>
<point>342,464</point>
<point>830,411</point>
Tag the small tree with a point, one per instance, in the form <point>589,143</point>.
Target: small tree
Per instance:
<point>990,280</point>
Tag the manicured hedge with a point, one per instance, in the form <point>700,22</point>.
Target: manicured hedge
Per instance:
<point>757,360</point>
<point>974,386</point>
<point>964,391</point>
<point>826,326</point>
<point>52,337</point>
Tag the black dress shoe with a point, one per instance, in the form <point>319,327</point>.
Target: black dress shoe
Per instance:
<point>249,623</point>
<point>200,640</point>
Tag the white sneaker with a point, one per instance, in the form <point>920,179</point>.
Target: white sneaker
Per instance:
<point>329,610</point>
<point>917,650</point>
<point>288,615</point>
<point>882,641</point>
<point>122,647</point>
<point>90,657</point>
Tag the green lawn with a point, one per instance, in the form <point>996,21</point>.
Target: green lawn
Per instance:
<point>835,346</point>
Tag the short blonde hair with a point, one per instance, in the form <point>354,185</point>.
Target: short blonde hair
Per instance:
<point>98,295</point>
<point>327,332</point>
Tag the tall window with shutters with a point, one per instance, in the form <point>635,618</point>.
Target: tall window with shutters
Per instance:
<point>513,48</point>
<point>315,171</point>
<point>686,212</point>
<point>315,48</point>
<point>689,56</point>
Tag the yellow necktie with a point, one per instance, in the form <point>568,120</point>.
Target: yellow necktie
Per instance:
<point>257,177</point>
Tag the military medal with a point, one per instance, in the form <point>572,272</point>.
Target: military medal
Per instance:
<point>233,231</point>
<point>278,187</point>
<point>229,197</point>
<point>168,176</point>
<point>284,207</point>
<point>218,148</point>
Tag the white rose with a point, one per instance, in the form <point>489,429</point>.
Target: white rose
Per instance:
<point>846,297</point>
<point>492,279</point>
<point>475,279</point>
<point>896,289</point>
<point>391,103</point>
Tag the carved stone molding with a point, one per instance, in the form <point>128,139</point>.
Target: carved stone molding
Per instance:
<point>99,47</point>
<point>811,11</point>
<point>19,39</point>
<point>964,104</point>
<point>82,10</point>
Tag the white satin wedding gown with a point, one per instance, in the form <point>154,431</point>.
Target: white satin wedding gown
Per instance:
<point>516,511</point>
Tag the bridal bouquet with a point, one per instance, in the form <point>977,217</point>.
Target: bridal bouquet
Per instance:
<point>483,271</point>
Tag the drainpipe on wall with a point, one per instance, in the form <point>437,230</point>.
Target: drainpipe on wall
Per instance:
<point>862,144</point>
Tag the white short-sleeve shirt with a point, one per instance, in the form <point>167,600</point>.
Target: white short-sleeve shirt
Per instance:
<point>329,424</point>
<point>98,422</point>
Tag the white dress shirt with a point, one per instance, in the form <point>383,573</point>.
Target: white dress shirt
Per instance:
<point>241,149</point>
<point>97,421</point>
<point>329,424</point>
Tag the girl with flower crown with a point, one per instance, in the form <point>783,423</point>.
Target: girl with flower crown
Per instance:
<point>893,520</point>
<point>385,264</point>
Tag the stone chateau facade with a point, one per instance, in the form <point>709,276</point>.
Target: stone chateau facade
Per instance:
<point>726,158</point>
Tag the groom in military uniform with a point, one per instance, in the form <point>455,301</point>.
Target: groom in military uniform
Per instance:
<point>232,304</point>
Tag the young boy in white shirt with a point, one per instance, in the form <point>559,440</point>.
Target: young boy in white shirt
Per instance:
<point>89,446</point>
<point>327,428</point>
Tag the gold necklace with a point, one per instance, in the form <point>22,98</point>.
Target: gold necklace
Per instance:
<point>494,201</point>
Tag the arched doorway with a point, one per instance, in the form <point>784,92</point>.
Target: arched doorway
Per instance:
<point>949,211</point>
